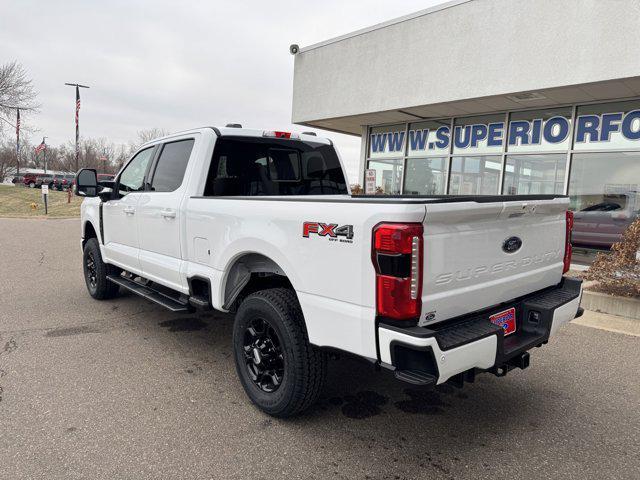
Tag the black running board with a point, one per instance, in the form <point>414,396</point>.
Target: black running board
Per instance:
<point>149,293</point>
<point>415,377</point>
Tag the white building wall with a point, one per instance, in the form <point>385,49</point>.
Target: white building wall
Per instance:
<point>470,49</point>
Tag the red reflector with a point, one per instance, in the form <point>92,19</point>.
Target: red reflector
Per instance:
<point>396,237</point>
<point>282,134</point>
<point>394,298</point>
<point>568,250</point>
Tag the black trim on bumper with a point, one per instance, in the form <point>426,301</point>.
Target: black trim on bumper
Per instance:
<point>534,317</point>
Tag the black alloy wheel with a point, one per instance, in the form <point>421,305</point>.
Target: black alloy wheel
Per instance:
<point>96,272</point>
<point>92,272</point>
<point>281,372</point>
<point>263,355</point>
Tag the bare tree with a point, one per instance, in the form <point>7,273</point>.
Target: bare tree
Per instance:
<point>123,154</point>
<point>149,134</point>
<point>16,90</point>
<point>7,161</point>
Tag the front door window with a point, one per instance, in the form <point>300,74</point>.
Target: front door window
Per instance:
<point>132,177</point>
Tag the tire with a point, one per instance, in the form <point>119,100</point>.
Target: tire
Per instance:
<point>303,368</point>
<point>32,185</point>
<point>96,271</point>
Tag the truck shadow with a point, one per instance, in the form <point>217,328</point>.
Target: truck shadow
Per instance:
<point>370,413</point>
<point>355,389</point>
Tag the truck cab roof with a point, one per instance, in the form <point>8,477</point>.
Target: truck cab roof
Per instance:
<point>248,132</point>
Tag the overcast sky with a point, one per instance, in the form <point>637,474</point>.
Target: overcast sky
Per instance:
<point>174,65</point>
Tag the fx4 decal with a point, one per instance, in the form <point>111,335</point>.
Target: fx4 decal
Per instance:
<point>331,230</point>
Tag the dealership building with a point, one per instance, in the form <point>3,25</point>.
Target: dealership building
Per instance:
<point>490,97</point>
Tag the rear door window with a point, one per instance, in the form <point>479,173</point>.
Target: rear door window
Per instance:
<point>249,166</point>
<point>171,165</point>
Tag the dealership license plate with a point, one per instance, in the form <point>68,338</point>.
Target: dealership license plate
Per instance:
<point>505,319</point>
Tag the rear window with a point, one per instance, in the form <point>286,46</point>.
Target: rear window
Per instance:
<point>171,166</point>
<point>243,166</point>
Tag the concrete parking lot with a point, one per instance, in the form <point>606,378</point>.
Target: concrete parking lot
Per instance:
<point>125,389</point>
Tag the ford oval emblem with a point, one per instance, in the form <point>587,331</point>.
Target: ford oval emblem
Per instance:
<point>512,244</point>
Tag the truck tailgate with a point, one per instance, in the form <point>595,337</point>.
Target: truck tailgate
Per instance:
<point>477,255</point>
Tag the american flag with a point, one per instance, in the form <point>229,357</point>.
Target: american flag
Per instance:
<point>41,147</point>
<point>77,105</point>
<point>77,123</point>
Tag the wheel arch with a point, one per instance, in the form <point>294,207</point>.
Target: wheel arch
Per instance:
<point>89,231</point>
<point>249,272</point>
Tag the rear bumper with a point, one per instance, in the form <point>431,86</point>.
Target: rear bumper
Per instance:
<point>472,342</point>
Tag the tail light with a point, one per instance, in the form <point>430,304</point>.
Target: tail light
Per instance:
<point>567,243</point>
<point>397,254</point>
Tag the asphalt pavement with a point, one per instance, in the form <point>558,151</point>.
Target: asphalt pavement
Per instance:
<point>124,389</point>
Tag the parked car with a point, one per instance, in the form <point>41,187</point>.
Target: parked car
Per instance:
<point>63,182</point>
<point>432,289</point>
<point>102,177</point>
<point>30,179</point>
<point>37,179</point>
<point>602,224</point>
<point>44,179</point>
<point>57,182</point>
<point>68,181</point>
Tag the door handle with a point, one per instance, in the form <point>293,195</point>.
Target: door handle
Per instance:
<point>129,210</point>
<point>168,213</point>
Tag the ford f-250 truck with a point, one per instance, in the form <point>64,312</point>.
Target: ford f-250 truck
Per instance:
<point>262,224</point>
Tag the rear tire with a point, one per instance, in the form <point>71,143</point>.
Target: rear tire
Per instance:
<point>281,372</point>
<point>96,271</point>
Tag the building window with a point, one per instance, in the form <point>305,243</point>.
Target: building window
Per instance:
<point>603,189</point>
<point>425,176</point>
<point>608,126</point>
<point>534,174</point>
<point>479,135</point>
<point>538,131</point>
<point>475,175</point>
<point>388,141</point>
<point>388,175</point>
<point>429,138</point>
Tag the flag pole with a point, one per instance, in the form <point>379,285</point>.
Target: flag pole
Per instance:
<point>44,154</point>
<point>78,87</point>
<point>17,142</point>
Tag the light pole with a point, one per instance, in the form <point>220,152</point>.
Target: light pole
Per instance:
<point>78,87</point>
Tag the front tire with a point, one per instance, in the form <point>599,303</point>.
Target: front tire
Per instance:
<point>96,271</point>
<point>281,372</point>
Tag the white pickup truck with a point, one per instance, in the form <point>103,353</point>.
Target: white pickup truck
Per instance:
<point>262,224</point>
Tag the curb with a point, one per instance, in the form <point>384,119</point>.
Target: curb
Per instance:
<point>604,303</point>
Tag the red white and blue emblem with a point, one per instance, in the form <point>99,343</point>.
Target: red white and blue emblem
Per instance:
<point>506,320</point>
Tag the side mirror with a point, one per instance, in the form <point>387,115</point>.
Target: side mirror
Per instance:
<point>87,183</point>
<point>106,189</point>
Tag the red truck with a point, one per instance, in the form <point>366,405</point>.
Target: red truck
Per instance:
<point>33,180</point>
